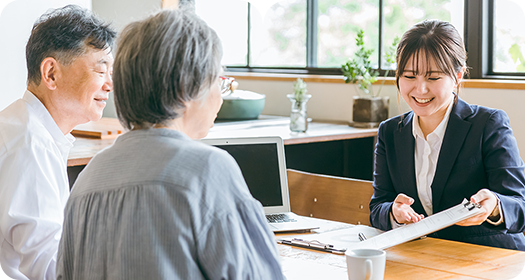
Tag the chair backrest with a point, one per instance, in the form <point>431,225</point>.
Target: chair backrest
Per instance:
<point>328,197</point>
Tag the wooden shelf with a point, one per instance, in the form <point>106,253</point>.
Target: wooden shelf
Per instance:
<point>467,83</point>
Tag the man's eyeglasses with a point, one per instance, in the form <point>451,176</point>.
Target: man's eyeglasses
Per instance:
<point>228,84</point>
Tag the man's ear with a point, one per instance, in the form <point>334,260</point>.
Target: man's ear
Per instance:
<point>49,72</point>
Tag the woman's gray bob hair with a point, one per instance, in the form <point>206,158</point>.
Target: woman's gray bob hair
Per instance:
<point>163,61</point>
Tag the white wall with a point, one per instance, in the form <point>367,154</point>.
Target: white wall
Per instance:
<point>120,13</point>
<point>330,101</point>
<point>509,100</point>
<point>333,101</point>
<point>16,20</point>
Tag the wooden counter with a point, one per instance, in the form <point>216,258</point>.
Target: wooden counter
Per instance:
<point>85,148</point>
<point>279,126</point>
<point>325,148</point>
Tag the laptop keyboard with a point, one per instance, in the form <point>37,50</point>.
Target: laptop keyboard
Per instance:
<point>279,218</point>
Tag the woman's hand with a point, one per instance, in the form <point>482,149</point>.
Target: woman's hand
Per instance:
<point>402,212</point>
<point>488,202</point>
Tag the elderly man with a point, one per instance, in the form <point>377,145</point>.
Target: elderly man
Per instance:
<point>69,66</point>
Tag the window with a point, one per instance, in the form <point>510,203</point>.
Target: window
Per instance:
<point>338,23</point>
<point>400,15</point>
<point>260,34</point>
<point>278,34</point>
<point>228,18</point>
<point>317,36</point>
<point>508,37</point>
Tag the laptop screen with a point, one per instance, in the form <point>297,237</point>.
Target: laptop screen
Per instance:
<point>262,163</point>
<point>259,164</point>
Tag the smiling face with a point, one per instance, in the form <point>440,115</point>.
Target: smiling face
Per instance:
<point>426,89</point>
<point>83,86</point>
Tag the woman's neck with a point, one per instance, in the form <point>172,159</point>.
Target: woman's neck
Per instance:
<point>430,123</point>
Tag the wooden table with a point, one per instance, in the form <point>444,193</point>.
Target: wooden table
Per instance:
<point>325,148</point>
<point>422,259</point>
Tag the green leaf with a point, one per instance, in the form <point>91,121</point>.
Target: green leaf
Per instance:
<point>359,69</point>
<point>515,53</point>
<point>390,53</point>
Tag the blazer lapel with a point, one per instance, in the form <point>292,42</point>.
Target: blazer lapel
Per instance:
<point>457,130</point>
<point>404,145</point>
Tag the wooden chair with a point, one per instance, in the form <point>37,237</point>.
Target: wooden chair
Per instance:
<point>328,197</point>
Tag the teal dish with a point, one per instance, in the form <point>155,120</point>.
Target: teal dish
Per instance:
<point>241,105</point>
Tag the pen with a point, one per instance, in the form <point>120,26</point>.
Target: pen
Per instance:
<point>314,245</point>
<point>362,237</point>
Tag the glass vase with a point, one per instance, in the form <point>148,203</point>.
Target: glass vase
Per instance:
<point>298,117</point>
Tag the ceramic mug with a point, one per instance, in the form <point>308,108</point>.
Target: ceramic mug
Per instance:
<point>365,264</point>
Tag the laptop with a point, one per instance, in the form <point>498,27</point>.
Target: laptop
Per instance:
<point>263,166</point>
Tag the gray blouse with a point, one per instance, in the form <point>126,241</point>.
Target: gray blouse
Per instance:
<point>158,205</point>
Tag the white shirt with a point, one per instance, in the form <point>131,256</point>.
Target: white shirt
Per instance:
<point>34,189</point>
<point>425,159</point>
<point>426,156</point>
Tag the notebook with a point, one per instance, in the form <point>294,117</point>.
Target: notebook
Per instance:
<point>263,166</point>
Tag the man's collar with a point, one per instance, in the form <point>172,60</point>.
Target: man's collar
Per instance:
<point>45,117</point>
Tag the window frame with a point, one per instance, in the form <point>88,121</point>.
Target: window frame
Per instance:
<point>311,48</point>
<point>478,35</point>
<point>488,13</point>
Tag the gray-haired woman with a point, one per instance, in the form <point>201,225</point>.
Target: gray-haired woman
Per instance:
<point>156,204</point>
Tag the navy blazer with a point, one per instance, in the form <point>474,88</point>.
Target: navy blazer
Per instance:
<point>478,151</point>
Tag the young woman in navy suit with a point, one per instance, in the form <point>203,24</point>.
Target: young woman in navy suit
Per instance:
<point>445,149</point>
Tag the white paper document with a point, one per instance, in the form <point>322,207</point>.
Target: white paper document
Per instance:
<point>426,226</point>
<point>340,239</point>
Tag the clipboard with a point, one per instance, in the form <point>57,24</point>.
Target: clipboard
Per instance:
<point>430,224</point>
<point>338,239</point>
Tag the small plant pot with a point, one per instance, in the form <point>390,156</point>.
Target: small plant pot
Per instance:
<point>369,111</point>
<point>298,116</point>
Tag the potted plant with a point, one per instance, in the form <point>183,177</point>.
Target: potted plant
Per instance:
<point>369,109</point>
